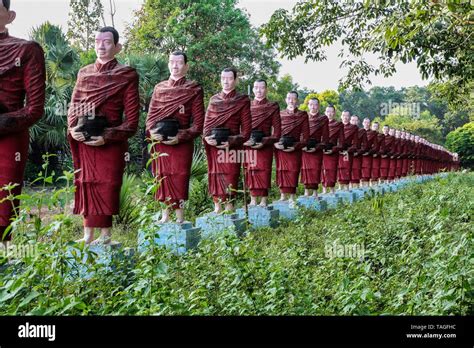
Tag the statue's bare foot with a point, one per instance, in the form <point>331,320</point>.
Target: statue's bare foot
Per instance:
<point>263,204</point>
<point>252,204</point>
<point>85,240</point>
<point>102,240</point>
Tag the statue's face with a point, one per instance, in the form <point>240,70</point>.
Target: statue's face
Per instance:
<point>228,82</point>
<point>345,117</point>
<point>385,130</point>
<point>313,106</point>
<point>178,68</point>
<point>366,123</point>
<point>397,133</point>
<point>6,17</point>
<point>330,112</point>
<point>259,89</point>
<point>291,101</point>
<point>355,120</point>
<point>105,48</point>
<point>417,138</point>
<point>391,132</point>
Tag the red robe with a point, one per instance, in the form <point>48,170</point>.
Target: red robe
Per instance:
<point>345,161</point>
<point>418,158</point>
<point>377,159</point>
<point>356,173</point>
<point>330,161</point>
<point>405,157</point>
<point>22,95</point>
<point>183,101</point>
<point>401,154</point>
<point>231,111</point>
<point>371,149</point>
<point>288,164</point>
<point>111,89</point>
<point>395,151</point>
<point>265,117</point>
<point>385,154</point>
<point>312,162</point>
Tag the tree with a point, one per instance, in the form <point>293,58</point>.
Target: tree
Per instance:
<point>48,135</point>
<point>83,22</point>
<point>62,64</point>
<point>279,88</point>
<point>461,140</point>
<point>327,97</point>
<point>215,34</point>
<point>436,34</point>
<point>426,125</point>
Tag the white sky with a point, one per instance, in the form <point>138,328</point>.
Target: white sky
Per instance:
<point>317,76</point>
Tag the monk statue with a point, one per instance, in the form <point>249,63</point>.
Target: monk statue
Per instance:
<point>266,131</point>
<point>227,127</point>
<point>103,115</point>
<point>371,148</point>
<point>356,170</point>
<point>347,154</point>
<point>294,137</point>
<point>175,119</point>
<point>22,96</point>
<point>331,150</point>
<point>312,158</point>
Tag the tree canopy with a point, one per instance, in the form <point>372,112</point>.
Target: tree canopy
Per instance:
<point>214,33</point>
<point>437,35</point>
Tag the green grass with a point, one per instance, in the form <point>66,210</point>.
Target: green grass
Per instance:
<point>416,259</point>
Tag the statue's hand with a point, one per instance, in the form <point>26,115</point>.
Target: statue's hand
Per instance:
<point>155,136</point>
<point>171,141</point>
<point>223,145</point>
<point>77,136</point>
<point>96,141</point>
<point>210,140</point>
<point>279,146</point>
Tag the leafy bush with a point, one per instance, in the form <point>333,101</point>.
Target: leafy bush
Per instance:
<point>461,140</point>
<point>416,254</point>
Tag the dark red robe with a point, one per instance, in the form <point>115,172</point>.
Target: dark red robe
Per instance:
<point>288,164</point>
<point>345,161</point>
<point>112,90</point>
<point>265,117</point>
<point>418,158</point>
<point>395,152</point>
<point>385,154</point>
<point>230,111</point>
<point>183,101</point>
<point>400,157</point>
<point>312,162</point>
<point>330,161</point>
<point>371,148</point>
<point>22,96</point>
<point>377,160</point>
<point>356,173</point>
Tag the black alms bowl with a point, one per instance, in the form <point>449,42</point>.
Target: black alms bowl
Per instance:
<point>3,109</point>
<point>92,126</point>
<point>287,141</point>
<point>257,136</point>
<point>167,128</point>
<point>221,135</point>
<point>311,144</point>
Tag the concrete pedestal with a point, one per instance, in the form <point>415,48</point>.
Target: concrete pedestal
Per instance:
<point>260,216</point>
<point>213,224</point>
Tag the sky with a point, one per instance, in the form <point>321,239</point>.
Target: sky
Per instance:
<point>317,76</point>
